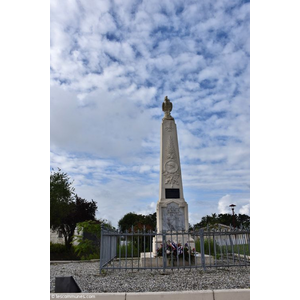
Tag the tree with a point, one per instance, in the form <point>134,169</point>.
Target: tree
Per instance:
<point>67,209</point>
<point>225,219</point>
<point>61,195</point>
<point>208,220</point>
<point>243,219</point>
<point>137,221</point>
<point>150,221</point>
<point>80,210</point>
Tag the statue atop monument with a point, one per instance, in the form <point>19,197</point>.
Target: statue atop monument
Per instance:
<point>167,108</point>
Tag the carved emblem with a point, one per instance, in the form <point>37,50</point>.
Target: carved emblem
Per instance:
<point>171,169</point>
<point>172,179</point>
<point>171,166</point>
<point>173,217</point>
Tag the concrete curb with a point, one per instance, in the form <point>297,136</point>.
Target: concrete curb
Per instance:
<point>52,262</point>
<point>236,294</point>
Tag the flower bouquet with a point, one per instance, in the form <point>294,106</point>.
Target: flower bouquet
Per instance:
<point>173,250</point>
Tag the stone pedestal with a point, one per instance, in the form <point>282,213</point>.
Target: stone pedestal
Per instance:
<point>150,260</point>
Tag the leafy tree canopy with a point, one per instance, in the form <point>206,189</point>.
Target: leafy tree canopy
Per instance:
<point>137,221</point>
<point>61,196</point>
<point>226,219</point>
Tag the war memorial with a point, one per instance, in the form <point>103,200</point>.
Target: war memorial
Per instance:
<point>172,209</point>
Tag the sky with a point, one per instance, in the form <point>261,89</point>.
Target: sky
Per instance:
<point>112,64</point>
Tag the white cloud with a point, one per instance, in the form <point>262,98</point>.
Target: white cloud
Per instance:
<point>223,204</point>
<point>245,209</point>
<point>150,209</point>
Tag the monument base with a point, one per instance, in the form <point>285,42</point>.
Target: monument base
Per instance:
<point>150,260</point>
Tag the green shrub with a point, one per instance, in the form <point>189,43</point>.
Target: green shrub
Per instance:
<point>60,252</point>
<point>208,247</point>
<point>242,249</point>
<point>88,240</point>
<point>86,249</point>
<point>130,248</point>
<point>57,248</point>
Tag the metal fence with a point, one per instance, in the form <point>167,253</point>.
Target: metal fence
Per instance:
<point>141,249</point>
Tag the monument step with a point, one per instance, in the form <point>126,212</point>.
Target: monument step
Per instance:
<point>149,259</point>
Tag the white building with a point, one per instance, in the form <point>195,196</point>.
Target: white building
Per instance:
<point>56,237</point>
<point>228,239</point>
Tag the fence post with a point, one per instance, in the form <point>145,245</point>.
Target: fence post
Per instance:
<point>164,252</point>
<point>201,232</point>
<point>101,244</point>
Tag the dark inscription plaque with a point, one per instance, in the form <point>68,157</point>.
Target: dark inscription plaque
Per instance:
<point>172,193</point>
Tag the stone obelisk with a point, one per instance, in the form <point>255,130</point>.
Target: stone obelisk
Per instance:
<point>171,209</point>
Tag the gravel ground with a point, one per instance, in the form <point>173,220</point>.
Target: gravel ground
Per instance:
<point>89,280</point>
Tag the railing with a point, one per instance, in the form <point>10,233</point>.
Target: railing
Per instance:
<point>135,250</point>
<point>108,246</point>
<point>228,247</point>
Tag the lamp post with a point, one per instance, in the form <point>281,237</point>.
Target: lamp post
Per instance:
<point>233,217</point>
